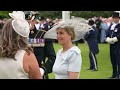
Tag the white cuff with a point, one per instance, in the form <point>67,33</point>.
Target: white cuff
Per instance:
<point>115,39</point>
<point>42,71</point>
<point>108,40</point>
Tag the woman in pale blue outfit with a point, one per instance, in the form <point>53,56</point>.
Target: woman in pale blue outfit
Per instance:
<point>104,27</point>
<point>68,59</point>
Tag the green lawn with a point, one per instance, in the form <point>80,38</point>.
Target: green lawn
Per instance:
<point>104,64</point>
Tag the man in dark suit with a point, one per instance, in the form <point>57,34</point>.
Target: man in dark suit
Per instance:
<point>91,38</point>
<point>98,26</point>
<point>113,38</point>
<point>43,25</point>
<point>43,48</point>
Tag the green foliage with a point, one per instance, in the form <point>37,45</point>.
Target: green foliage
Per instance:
<point>51,14</point>
<point>4,14</point>
<point>84,14</point>
<point>89,14</point>
<point>103,58</point>
<point>58,14</point>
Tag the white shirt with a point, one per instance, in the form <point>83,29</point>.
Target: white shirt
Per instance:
<point>37,26</point>
<point>13,69</point>
<point>70,60</point>
<point>113,26</point>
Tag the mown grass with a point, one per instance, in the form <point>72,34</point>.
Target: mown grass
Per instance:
<point>103,58</point>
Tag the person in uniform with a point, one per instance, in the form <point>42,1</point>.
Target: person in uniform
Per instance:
<point>113,38</point>
<point>43,48</point>
<point>91,38</point>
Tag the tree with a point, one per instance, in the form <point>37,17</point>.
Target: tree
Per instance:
<point>58,14</point>
<point>51,14</point>
<point>89,14</point>
<point>4,14</point>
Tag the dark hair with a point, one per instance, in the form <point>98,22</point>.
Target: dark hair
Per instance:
<point>11,42</point>
<point>91,22</point>
<point>41,18</point>
<point>116,15</point>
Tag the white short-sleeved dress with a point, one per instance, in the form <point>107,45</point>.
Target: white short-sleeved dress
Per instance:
<point>13,69</point>
<point>70,60</point>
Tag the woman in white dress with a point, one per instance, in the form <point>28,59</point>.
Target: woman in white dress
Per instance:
<point>68,59</point>
<point>17,60</point>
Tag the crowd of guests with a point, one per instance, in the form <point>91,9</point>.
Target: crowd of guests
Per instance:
<point>102,24</point>
<point>109,32</point>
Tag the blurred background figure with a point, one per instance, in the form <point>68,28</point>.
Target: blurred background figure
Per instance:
<point>50,23</point>
<point>98,26</point>
<point>91,38</point>
<point>43,23</point>
<point>104,28</point>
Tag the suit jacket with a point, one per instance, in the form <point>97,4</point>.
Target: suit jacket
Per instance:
<point>114,33</point>
<point>44,26</point>
<point>91,38</point>
<point>42,53</point>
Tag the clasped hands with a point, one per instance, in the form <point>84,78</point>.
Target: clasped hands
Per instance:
<point>111,40</point>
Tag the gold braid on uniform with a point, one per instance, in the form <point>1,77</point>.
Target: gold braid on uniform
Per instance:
<point>36,36</point>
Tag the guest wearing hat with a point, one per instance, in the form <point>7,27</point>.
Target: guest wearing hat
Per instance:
<point>17,60</point>
<point>113,38</point>
<point>43,49</point>
<point>68,61</point>
<point>91,38</point>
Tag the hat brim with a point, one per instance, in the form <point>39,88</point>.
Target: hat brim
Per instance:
<point>11,15</point>
<point>21,27</point>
